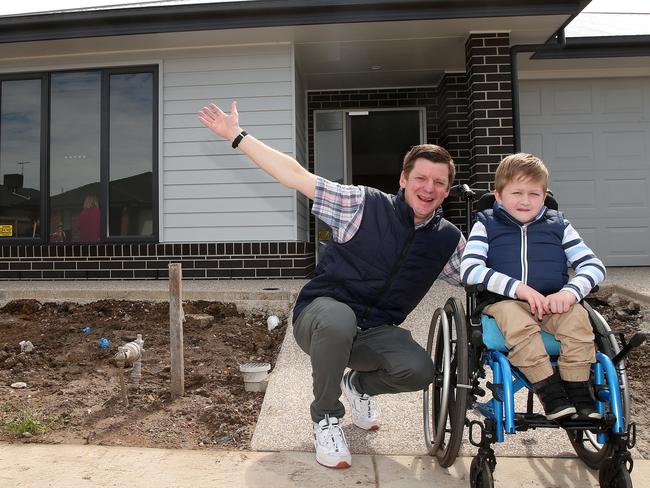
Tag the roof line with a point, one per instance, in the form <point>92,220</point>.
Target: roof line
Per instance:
<point>599,47</point>
<point>262,13</point>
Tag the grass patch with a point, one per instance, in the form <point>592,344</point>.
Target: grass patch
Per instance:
<point>23,423</point>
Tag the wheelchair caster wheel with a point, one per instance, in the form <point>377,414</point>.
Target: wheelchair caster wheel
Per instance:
<point>480,474</point>
<point>619,478</point>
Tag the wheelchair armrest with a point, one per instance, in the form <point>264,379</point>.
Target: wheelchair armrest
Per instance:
<point>593,290</point>
<point>475,289</point>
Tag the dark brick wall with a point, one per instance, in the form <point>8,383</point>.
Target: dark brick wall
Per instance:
<point>491,133</point>
<point>454,136</point>
<point>229,260</point>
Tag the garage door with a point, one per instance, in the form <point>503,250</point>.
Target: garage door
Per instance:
<point>594,136</point>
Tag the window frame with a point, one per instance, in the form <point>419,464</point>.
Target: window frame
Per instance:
<point>43,152</point>
<point>105,74</point>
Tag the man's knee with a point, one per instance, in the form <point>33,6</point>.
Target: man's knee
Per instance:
<point>325,317</point>
<point>336,332</point>
<point>337,323</point>
<point>417,374</point>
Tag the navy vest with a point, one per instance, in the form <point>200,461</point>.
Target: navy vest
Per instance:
<point>383,272</point>
<point>532,253</point>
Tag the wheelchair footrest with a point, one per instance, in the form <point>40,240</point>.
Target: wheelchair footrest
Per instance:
<point>525,421</point>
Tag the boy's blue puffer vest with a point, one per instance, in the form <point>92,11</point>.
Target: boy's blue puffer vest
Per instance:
<point>383,272</point>
<point>532,253</point>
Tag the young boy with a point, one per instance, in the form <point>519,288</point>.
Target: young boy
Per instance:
<point>519,249</point>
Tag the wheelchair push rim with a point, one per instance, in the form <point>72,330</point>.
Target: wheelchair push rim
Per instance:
<point>445,401</point>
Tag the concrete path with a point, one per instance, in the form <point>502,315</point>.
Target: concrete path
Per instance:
<point>41,466</point>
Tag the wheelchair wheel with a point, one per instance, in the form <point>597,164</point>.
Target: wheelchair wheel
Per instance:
<point>445,401</point>
<point>480,474</point>
<point>585,442</point>
<point>619,479</point>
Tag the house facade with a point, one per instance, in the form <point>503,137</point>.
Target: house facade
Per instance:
<point>106,172</point>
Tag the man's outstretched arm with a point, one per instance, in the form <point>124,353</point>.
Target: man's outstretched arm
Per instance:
<point>283,168</point>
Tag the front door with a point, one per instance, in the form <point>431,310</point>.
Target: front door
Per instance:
<point>363,148</point>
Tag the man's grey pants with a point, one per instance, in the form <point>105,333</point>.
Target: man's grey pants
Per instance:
<point>387,358</point>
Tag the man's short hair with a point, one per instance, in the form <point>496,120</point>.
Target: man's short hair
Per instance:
<point>520,166</point>
<point>431,152</point>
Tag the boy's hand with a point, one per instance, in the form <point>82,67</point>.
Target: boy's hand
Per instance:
<point>222,124</point>
<point>561,301</point>
<point>539,305</point>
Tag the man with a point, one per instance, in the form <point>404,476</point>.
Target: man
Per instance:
<point>387,251</point>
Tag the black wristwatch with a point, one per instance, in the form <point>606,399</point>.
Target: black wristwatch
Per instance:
<point>238,139</point>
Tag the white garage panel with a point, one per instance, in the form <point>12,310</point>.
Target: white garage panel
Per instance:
<point>594,136</point>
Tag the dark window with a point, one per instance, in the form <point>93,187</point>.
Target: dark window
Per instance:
<point>75,142</point>
<point>81,148</point>
<point>20,159</point>
<point>131,155</point>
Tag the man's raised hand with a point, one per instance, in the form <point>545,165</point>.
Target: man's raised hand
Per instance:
<point>219,122</point>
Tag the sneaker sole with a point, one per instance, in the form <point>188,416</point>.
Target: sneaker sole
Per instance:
<point>340,465</point>
<point>561,414</point>
<point>591,416</point>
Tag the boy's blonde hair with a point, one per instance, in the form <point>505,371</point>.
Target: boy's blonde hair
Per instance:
<point>520,166</point>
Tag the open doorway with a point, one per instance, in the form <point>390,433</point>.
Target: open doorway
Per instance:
<point>363,148</point>
<point>378,142</point>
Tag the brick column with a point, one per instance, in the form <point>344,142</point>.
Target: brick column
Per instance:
<point>454,135</point>
<point>491,134</point>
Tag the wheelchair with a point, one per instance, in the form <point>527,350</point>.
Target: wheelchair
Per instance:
<point>463,342</point>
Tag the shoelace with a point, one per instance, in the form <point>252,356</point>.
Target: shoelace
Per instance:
<point>334,436</point>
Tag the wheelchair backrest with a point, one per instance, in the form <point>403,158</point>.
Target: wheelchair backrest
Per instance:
<point>487,201</point>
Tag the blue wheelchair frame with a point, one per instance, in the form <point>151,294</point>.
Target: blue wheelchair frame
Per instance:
<point>501,407</point>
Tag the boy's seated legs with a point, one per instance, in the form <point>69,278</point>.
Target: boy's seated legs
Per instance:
<point>577,354</point>
<point>527,353</point>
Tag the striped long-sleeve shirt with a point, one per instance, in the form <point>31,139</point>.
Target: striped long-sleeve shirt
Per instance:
<point>475,265</point>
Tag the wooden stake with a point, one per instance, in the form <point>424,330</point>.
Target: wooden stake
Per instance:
<point>176,318</point>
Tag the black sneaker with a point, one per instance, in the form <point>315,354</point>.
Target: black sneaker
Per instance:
<point>580,394</point>
<point>553,397</point>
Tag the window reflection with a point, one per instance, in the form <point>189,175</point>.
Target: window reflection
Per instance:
<point>20,159</point>
<point>131,155</point>
<point>74,152</point>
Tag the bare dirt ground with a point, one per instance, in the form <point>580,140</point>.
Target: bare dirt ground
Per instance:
<point>73,387</point>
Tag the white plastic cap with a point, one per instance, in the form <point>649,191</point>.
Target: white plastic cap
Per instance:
<point>254,367</point>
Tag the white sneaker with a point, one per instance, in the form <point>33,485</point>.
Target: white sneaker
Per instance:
<point>365,410</point>
<point>331,447</point>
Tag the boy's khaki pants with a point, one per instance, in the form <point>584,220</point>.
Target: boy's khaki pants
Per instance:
<point>521,331</point>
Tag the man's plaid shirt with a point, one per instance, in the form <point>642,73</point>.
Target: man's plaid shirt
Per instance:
<point>341,207</point>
